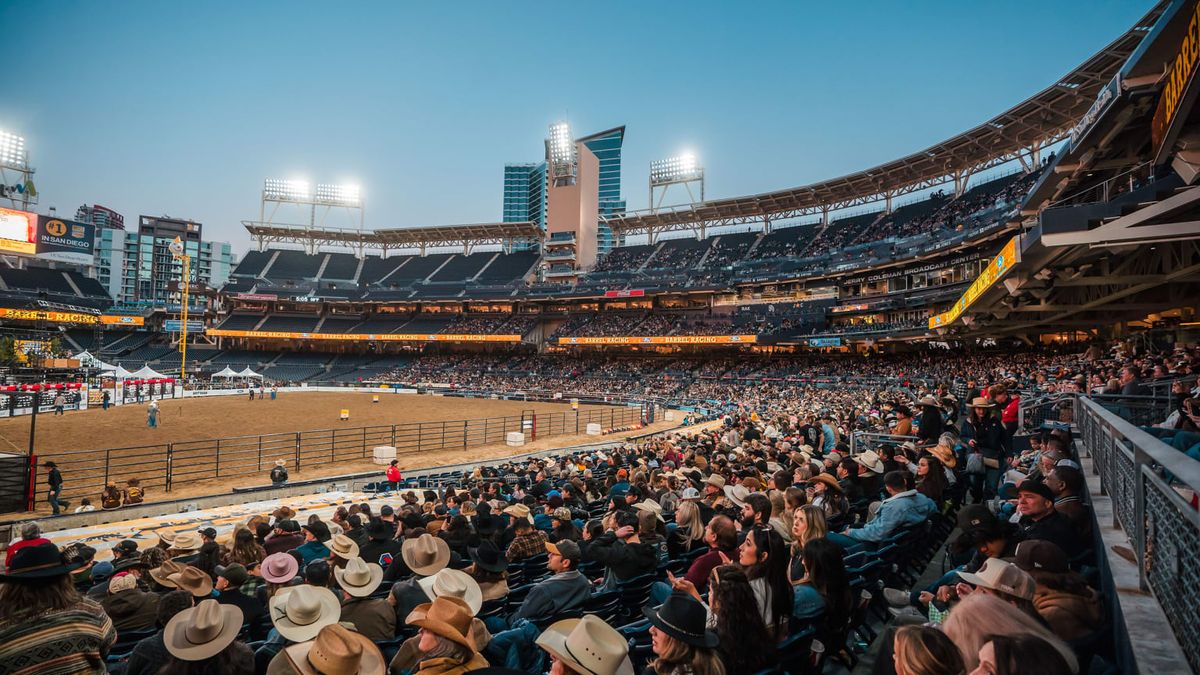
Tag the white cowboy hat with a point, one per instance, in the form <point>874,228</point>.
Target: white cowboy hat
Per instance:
<point>300,612</point>
<point>450,583</point>
<point>870,460</point>
<point>359,578</point>
<point>588,645</point>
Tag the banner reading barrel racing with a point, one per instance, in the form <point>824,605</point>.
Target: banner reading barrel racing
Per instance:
<point>64,240</point>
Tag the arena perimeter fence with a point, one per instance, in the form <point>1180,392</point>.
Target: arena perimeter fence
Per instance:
<point>162,467</point>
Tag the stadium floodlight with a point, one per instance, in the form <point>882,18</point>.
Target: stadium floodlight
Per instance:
<point>286,191</point>
<point>12,150</point>
<point>675,170</point>
<point>562,154</point>
<point>339,195</point>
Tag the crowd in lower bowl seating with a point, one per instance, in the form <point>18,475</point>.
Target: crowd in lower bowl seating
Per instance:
<point>758,543</point>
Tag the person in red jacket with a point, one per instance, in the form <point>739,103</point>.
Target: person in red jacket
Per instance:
<point>393,476</point>
<point>31,535</point>
<point>1009,405</point>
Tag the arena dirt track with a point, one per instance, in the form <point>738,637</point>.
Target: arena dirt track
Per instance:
<point>226,416</point>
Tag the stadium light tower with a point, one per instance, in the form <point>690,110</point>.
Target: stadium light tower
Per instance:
<point>562,154</point>
<point>324,199</point>
<point>16,176</point>
<point>682,170</point>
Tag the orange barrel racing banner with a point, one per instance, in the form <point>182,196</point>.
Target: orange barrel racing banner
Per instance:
<point>362,337</point>
<point>661,340</point>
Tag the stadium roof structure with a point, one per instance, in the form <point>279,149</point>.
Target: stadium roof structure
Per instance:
<point>1017,134</point>
<point>467,236</point>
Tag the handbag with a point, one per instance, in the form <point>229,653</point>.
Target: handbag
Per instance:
<point>991,463</point>
<point>975,463</point>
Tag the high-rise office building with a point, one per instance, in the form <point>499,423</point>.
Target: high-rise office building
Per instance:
<point>108,253</point>
<point>525,186</point>
<point>151,271</point>
<point>606,145</point>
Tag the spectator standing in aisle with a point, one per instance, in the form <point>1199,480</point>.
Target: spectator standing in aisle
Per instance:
<point>55,480</point>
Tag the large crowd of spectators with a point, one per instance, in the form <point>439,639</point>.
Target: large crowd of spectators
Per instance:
<point>756,541</point>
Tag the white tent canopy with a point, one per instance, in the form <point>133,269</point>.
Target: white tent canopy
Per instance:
<point>227,372</point>
<point>88,360</point>
<point>147,373</point>
<point>249,373</point>
<point>121,374</point>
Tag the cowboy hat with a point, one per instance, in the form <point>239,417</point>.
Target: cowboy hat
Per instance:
<point>39,562</point>
<point>650,506</point>
<point>185,541</point>
<point>929,400</point>
<point>1001,575</point>
<point>280,568</point>
<point>426,555</point>
<point>193,580</point>
<point>944,455</point>
<point>343,547</point>
<point>829,481</point>
<point>870,460</point>
<point>683,618</point>
<point>488,557</point>
<point>587,645</point>
<point>981,402</point>
<point>300,612</point>
<point>519,511</point>
<point>281,462</point>
<point>737,494</point>
<point>716,480</point>
<point>450,583</point>
<point>359,578</point>
<point>161,574</point>
<point>445,617</point>
<point>203,631</point>
<point>336,651</point>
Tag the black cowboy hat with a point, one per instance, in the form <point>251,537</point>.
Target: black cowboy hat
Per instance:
<point>683,618</point>
<point>319,530</point>
<point>487,556</point>
<point>39,562</point>
<point>127,563</point>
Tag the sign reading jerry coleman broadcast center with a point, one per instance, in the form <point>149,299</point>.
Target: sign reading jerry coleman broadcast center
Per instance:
<point>64,240</point>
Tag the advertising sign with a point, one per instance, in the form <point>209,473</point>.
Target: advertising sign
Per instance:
<point>362,337</point>
<point>627,293</point>
<point>175,326</point>
<point>825,342</point>
<point>1178,83</point>
<point>68,317</point>
<point>64,240</point>
<point>122,320</point>
<point>17,231</point>
<point>661,340</point>
<point>995,270</point>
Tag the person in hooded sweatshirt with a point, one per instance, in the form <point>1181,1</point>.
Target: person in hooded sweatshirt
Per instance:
<point>1062,598</point>
<point>622,552</point>
<point>129,607</point>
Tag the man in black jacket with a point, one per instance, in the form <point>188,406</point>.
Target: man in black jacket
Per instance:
<point>229,583</point>
<point>54,480</point>
<point>1039,520</point>
<point>621,551</point>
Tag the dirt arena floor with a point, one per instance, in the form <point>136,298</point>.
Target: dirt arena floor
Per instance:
<point>226,416</point>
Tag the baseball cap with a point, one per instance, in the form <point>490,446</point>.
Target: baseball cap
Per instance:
<point>1003,576</point>
<point>1038,554</point>
<point>289,526</point>
<point>127,546</point>
<point>209,532</point>
<point>235,574</point>
<point>566,548</point>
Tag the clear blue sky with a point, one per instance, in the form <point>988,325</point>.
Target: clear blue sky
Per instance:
<point>184,108</point>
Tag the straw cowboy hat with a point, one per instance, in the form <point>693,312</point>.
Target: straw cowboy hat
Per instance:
<point>193,580</point>
<point>280,568</point>
<point>651,506</point>
<point>162,574</point>
<point>716,480</point>
<point>281,462</point>
<point>737,494</point>
<point>929,400</point>
<point>184,541</point>
<point>445,617</point>
<point>343,547</point>
<point>981,402</point>
<point>870,460</point>
<point>300,612</point>
<point>450,583</point>
<point>588,645</point>
<point>426,555</point>
<point>359,578</point>
<point>336,651</point>
<point>203,631</point>
<point>944,455</point>
<point>829,481</point>
<point>519,511</point>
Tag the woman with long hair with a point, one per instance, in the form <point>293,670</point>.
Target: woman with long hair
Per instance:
<point>245,550</point>
<point>745,645</point>
<point>781,518</point>
<point>925,650</point>
<point>682,643</point>
<point>824,591</point>
<point>1019,655</point>
<point>689,526</point>
<point>808,523</point>
<point>979,616</point>
<point>764,557</point>
<point>931,478</point>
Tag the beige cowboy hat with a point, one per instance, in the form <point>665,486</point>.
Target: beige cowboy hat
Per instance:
<point>162,574</point>
<point>445,617</point>
<point>359,578</point>
<point>588,645</point>
<point>336,650</point>
<point>944,455</point>
<point>829,481</point>
<point>203,631</point>
<point>929,400</point>
<point>716,480</point>
<point>426,555</point>
<point>519,511</point>
<point>651,506</point>
<point>450,583</point>
<point>870,459</point>
<point>193,580</point>
<point>300,612</point>
<point>184,541</point>
<point>343,547</point>
<point>981,402</point>
<point>737,494</point>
